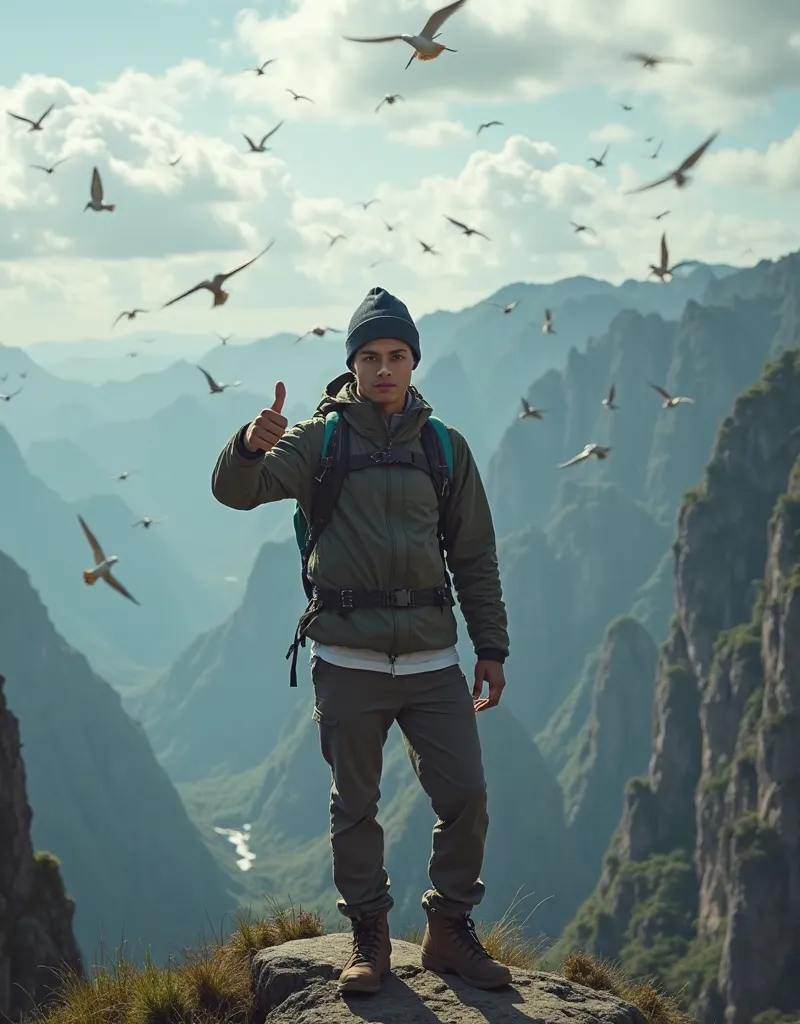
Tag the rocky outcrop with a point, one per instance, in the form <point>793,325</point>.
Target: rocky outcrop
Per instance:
<point>296,981</point>
<point>36,938</point>
<point>701,884</point>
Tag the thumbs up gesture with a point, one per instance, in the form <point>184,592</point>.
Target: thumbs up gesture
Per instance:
<point>268,427</point>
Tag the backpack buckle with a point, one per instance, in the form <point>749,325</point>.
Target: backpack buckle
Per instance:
<point>400,598</point>
<point>322,469</point>
<point>380,457</point>
<point>347,599</point>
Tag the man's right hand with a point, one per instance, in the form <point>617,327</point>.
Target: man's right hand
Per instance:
<point>268,427</point>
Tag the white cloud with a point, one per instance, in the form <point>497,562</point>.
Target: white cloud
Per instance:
<point>739,53</point>
<point>432,133</point>
<point>778,168</point>
<point>67,273</point>
<point>613,132</point>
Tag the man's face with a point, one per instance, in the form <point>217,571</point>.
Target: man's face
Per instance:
<point>383,371</point>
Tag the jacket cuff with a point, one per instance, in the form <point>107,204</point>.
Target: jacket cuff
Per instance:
<point>491,654</point>
<point>242,449</point>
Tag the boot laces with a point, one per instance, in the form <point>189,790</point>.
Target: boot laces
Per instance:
<point>366,941</point>
<point>466,934</point>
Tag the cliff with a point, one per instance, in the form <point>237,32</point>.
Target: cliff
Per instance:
<point>613,744</point>
<point>134,863</point>
<point>36,937</point>
<point>701,883</point>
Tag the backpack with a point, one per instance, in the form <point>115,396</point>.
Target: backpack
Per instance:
<point>333,467</point>
<point>336,462</point>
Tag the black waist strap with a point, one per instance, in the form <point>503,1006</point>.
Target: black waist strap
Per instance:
<point>346,600</point>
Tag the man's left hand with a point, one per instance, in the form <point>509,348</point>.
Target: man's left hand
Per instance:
<point>490,672</point>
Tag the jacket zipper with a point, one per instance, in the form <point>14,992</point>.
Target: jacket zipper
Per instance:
<point>393,563</point>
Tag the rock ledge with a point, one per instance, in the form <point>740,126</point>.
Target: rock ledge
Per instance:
<point>295,983</point>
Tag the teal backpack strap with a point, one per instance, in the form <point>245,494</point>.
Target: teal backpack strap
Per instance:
<point>300,522</point>
<point>446,442</point>
<point>331,422</point>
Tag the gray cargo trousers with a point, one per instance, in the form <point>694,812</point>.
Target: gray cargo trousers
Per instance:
<point>355,710</point>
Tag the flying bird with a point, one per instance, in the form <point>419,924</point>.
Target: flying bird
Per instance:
<point>679,175</point>
<point>130,314</point>
<point>664,271</point>
<point>391,98</point>
<point>7,398</point>
<point>260,147</point>
<point>547,326</point>
<point>102,565</point>
<point>51,168</point>
<point>176,161</point>
<point>626,106</point>
<point>488,124</point>
<point>465,229</point>
<point>389,227</point>
<point>320,332</point>
<point>35,126</point>
<point>599,161</point>
<point>124,475</point>
<point>217,281</point>
<point>299,96</point>
<point>132,355</point>
<point>366,206</point>
<point>147,521</point>
<point>589,450</point>
<point>96,202</point>
<point>224,338</point>
<point>216,387</point>
<point>261,67</point>
<point>528,411</point>
<point>582,227</point>
<point>649,60</point>
<point>670,402</point>
<point>428,248</point>
<point>656,151</point>
<point>334,238</point>
<point>508,308</point>
<point>608,402</point>
<point>23,374</point>
<point>663,213</point>
<point>425,47</point>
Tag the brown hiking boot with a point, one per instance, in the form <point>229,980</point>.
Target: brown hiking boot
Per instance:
<point>451,946</point>
<point>369,960</point>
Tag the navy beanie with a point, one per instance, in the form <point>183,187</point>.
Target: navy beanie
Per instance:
<point>381,315</point>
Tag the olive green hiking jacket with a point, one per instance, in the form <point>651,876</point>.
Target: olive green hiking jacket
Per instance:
<point>382,534</point>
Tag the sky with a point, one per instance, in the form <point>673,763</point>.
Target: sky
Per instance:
<point>138,85</point>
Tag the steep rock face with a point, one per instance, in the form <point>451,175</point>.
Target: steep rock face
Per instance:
<point>614,744</point>
<point>136,866</point>
<point>36,935</point>
<point>562,587</point>
<point>702,878</point>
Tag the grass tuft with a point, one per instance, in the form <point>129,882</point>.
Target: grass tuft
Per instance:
<point>604,976</point>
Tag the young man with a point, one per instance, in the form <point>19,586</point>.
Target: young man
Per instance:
<point>383,632</point>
